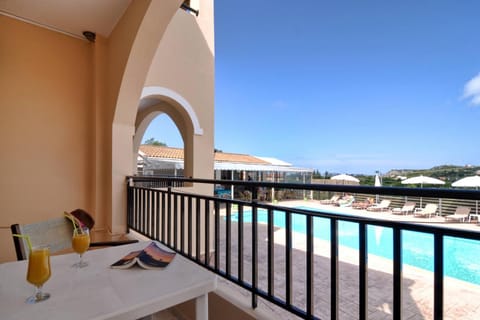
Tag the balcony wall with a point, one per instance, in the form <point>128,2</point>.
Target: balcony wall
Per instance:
<point>46,125</point>
<point>68,111</point>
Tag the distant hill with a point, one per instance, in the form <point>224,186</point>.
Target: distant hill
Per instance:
<point>447,173</point>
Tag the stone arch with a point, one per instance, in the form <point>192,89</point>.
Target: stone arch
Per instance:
<point>133,46</point>
<point>181,101</point>
<point>159,100</point>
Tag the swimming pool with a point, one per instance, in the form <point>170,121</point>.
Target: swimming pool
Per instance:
<point>460,255</point>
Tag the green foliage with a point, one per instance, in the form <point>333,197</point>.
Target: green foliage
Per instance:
<point>318,175</point>
<point>154,142</point>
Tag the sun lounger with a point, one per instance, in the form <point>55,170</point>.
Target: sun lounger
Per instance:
<point>362,205</point>
<point>332,200</point>
<point>345,201</point>
<point>407,208</point>
<point>382,206</point>
<point>429,210</point>
<point>461,214</point>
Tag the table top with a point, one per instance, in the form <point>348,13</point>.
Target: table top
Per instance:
<point>100,292</point>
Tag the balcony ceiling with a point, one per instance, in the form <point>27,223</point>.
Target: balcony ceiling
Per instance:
<point>69,16</point>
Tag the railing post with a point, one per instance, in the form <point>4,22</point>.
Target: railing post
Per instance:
<point>129,202</point>
<point>288,258</point>
<point>310,278</point>
<point>207,233</point>
<point>240,242</point>
<point>228,240</point>
<point>217,236</point>
<point>254,255</point>
<point>197,229</point>
<point>438,276</point>
<point>334,269</point>
<point>254,249</point>
<point>175,222</point>
<point>182,224</point>
<point>397,274</point>
<point>270,254</point>
<point>190,227</point>
<point>363,271</point>
<point>169,211</point>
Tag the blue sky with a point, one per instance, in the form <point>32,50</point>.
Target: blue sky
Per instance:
<point>346,86</point>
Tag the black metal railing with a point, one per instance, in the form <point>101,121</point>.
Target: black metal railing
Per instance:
<point>227,237</point>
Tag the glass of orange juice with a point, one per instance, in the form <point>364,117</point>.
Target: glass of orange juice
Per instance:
<point>80,244</point>
<point>38,272</point>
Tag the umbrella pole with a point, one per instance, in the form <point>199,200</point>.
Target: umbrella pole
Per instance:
<point>421,186</point>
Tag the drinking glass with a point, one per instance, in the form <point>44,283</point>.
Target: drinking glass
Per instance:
<point>80,244</point>
<point>38,272</point>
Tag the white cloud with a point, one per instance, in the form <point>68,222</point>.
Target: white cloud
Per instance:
<point>472,90</point>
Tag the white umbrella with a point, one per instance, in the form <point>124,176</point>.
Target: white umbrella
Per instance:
<point>421,180</point>
<point>469,182</point>
<point>344,177</point>
<point>378,183</point>
<point>473,182</point>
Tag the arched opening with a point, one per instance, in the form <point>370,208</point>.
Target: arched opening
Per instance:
<point>163,129</point>
<point>161,150</point>
<point>157,101</point>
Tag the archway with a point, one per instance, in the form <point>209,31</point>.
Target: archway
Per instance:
<point>161,136</point>
<point>128,71</point>
<point>158,100</point>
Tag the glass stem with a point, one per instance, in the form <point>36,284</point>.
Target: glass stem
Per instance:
<point>38,292</point>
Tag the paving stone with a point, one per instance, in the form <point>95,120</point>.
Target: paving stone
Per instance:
<point>462,298</point>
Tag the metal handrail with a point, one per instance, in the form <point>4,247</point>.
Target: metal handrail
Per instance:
<point>170,214</point>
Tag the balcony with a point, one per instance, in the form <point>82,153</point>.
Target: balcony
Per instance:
<point>273,255</point>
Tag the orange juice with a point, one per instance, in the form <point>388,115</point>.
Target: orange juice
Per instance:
<point>38,266</point>
<point>80,242</point>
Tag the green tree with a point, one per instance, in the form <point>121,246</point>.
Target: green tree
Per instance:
<point>155,142</point>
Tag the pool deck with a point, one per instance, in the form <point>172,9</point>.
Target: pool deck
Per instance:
<point>460,298</point>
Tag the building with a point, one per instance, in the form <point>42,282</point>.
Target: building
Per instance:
<point>167,161</point>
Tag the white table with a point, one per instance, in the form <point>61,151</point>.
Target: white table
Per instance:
<point>99,292</point>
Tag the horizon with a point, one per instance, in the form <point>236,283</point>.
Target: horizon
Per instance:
<point>466,166</point>
<point>345,87</point>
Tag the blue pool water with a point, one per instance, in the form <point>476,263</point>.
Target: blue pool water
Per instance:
<point>460,255</point>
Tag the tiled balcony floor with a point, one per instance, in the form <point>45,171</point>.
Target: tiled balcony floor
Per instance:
<point>460,302</point>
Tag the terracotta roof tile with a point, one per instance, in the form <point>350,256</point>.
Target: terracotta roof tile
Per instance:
<point>177,153</point>
<point>161,152</point>
<point>238,158</point>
